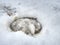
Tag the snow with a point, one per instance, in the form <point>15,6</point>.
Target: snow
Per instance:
<point>47,12</point>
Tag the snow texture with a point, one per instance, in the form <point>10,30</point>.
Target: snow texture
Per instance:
<point>47,12</point>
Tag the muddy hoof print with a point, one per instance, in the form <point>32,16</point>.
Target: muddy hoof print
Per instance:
<point>28,25</point>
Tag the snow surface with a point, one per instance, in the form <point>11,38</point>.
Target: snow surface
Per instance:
<point>47,12</point>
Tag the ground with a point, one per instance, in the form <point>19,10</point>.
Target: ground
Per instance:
<point>47,12</point>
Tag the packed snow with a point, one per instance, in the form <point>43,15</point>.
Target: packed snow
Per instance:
<point>46,11</point>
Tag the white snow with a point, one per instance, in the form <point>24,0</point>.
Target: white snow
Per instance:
<point>47,12</point>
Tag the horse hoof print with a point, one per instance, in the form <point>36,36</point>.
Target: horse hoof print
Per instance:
<point>28,25</point>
